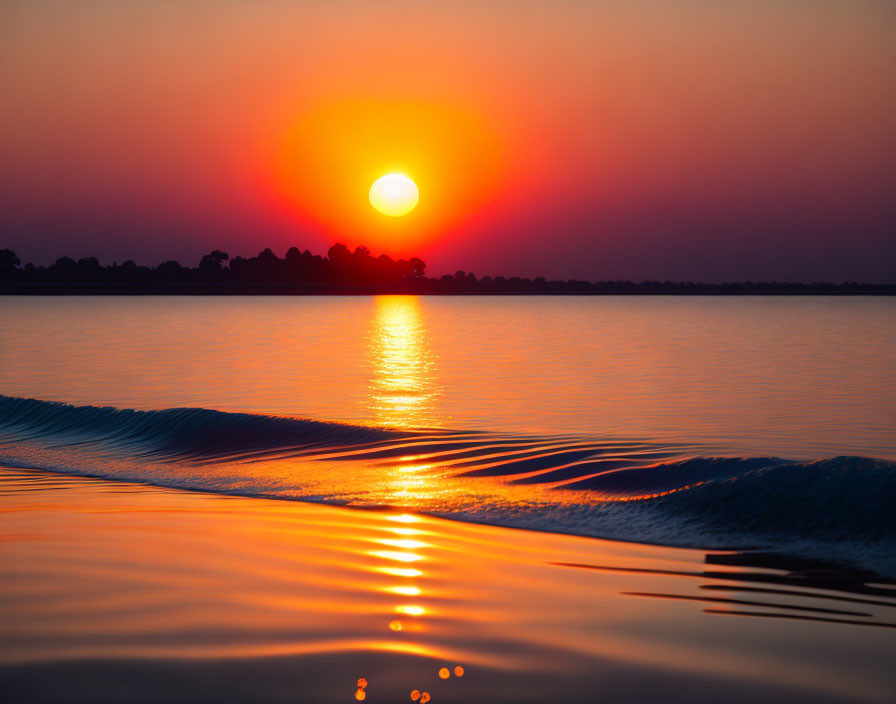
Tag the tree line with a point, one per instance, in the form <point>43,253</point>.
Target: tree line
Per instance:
<point>343,271</point>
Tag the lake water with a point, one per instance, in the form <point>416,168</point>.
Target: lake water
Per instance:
<point>750,440</point>
<point>113,592</point>
<point>690,421</point>
<point>800,377</point>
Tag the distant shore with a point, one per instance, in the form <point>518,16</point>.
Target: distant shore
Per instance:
<point>437,287</point>
<point>343,272</point>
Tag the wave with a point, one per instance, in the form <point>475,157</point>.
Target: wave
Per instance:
<point>843,496</point>
<point>177,433</point>
<point>619,488</point>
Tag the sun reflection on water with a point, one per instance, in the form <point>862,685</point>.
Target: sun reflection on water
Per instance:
<point>409,587</point>
<point>399,571</point>
<point>403,390</point>
<point>402,543</point>
<point>397,556</point>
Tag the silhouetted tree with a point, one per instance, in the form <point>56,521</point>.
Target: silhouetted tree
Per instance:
<point>8,260</point>
<point>342,271</point>
<point>338,254</point>
<point>170,271</point>
<point>417,267</point>
<point>212,263</point>
<point>64,268</point>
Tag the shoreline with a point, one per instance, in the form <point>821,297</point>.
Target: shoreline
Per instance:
<point>91,290</point>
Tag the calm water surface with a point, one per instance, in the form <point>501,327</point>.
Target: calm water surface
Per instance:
<point>800,377</point>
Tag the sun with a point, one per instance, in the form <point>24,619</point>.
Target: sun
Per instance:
<point>394,195</point>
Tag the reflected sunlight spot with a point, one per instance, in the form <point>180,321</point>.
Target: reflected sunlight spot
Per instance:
<point>411,610</point>
<point>395,625</point>
<point>405,544</point>
<point>411,468</point>
<point>395,555</point>
<point>360,695</point>
<point>408,487</point>
<point>362,683</point>
<point>459,671</point>
<point>406,531</point>
<point>405,591</point>
<point>404,518</point>
<point>424,697</point>
<point>444,673</point>
<point>415,695</point>
<point>400,571</point>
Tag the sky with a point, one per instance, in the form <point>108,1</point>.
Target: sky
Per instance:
<point>606,139</point>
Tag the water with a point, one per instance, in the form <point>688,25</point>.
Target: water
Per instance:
<point>114,592</point>
<point>698,422</point>
<point>751,439</point>
<point>799,377</point>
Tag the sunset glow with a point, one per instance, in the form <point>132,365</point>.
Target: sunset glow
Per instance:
<point>330,162</point>
<point>575,140</point>
<point>448,351</point>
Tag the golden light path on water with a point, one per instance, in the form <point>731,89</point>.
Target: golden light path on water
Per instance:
<point>409,586</point>
<point>403,391</point>
<point>403,388</point>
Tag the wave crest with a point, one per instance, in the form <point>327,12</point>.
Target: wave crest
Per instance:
<point>197,433</point>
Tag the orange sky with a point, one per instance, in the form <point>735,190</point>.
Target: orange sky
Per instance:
<point>620,139</point>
